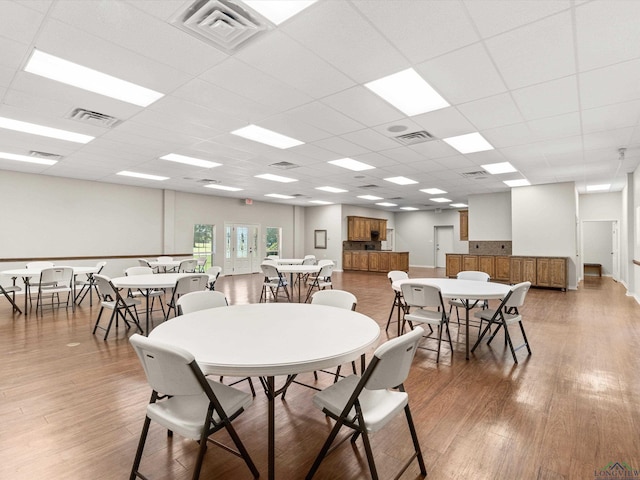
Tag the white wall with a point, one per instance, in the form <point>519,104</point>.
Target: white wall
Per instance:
<point>544,223</point>
<point>415,232</point>
<point>329,218</point>
<point>597,212</point>
<point>490,217</point>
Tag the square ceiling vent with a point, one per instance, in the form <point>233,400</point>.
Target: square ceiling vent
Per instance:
<point>221,23</point>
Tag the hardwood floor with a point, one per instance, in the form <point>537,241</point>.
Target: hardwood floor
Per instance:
<point>72,405</point>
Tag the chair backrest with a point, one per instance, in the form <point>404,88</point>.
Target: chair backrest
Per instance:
<point>165,258</point>
<point>215,272</point>
<point>392,361</point>
<point>191,283</point>
<point>516,296</point>
<point>40,265</point>
<point>309,260</point>
<point>326,271</point>
<point>188,266</point>
<point>335,298</point>
<point>169,369</point>
<point>473,275</point>
<point>105,287</point>
<point>394,275</point>
<point>269,270</point>
<point>138,271</point>
<point>100,266</point>
<point>417,295</point>
<point>60,276</point>
<point>195,301</point>
<point>269,261</point>
<point>323,262</point>
<point>144,263</point>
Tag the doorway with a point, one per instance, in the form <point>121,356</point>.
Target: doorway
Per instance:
<point>443,244</point>
<point>600,245</point>
<point>241,252</point>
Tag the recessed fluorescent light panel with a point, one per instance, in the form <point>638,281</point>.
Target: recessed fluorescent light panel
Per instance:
<point>469,143</point>
<point>26,158</point>
<point>408,92</point>
<point>369,197</point>
<point>276,178</point>
<point>277,11</point>
<point>278,195</point>
<point>196,162</point>
<point>498,168</point>
<point>351,164</point>
<point>332,189</point>
<point>387,204</point>
<point>433,191</point>
<point>223,187</point>
<point>268,137</point>
<point>34,129</point>
<point>64,71</point>
<point>320,202</point>
<point>458,205</point>
<point>523,182</point>
<point>401,180</point>
<point>440,200</point>
<point>409,208</point>
<point>142,175</point>
<point>598,188</point>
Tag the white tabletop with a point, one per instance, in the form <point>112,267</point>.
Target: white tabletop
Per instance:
<point>34,272</point>
<point>465,289</point>
<point>270,339</point>
<point>165,263</point>
<point>151,280</point>
<point>298,268</point>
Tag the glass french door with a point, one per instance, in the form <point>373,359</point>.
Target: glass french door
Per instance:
<point>241,252</point>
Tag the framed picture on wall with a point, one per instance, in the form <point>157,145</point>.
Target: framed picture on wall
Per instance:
<point>320,238</point>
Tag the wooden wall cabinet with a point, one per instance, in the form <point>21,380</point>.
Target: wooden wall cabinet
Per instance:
<point>359,228</point>
<point>464,224</point>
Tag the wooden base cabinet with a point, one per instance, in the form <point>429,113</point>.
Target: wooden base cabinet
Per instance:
<point>454,264</point>
<point>369,261</point>
<point>502,268</point>
<point>551,272</point>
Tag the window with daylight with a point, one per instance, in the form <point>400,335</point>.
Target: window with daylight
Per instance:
<point>204,244</point>
<point>273,241</point>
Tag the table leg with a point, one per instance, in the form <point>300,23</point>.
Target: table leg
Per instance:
<point>466,323</point>
<point>271,456</point>
<point>147,311</point>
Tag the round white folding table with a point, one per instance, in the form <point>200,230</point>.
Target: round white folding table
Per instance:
<point>269,339</point>
<point>300,271</point>
<point>288,261</point>
<point>146,283</point>
<point>165,264</point>
<point>465,290</point>
<point>28,273</point>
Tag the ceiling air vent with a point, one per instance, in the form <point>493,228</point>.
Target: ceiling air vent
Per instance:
<point>48,156</point>
<point>412,138</point>
<point>369,186</point>
<point>94,118</point>
<point>478,174</point>
<point>221,23</point>
<point>284,165</point>
<point>208,181</point>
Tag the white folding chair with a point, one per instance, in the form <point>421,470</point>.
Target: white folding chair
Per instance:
<point>53,282</point>
<point>322,280</point>
<point>398,301</point>
<point>12,299</point>
<point>111,299</point>
<point>273,282</point>
<point>213,272</point>
<point>188,283</point>
<point>366,404</point>
<point>475,276</point>
<point>188,265</point>
<point>184,401</point>
<point>506,314</point>
<point>151,293</point>
<point>86,286</point>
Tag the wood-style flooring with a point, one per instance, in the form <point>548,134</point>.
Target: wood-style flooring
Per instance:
<point>72,405</point>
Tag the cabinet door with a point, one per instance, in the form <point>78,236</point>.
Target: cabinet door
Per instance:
<point>470,262</point>
<point>502,264</point>
<point>374,261</point>
<point>399,261</point>
<point>351,229</point>
<point>516,270</point>
<point>384,262</point>
<point>454,264</point>
<point>558,272</point>
<point>464,224</point>
<point>347,261</point>
<point>382,228</point>
<point>486,263</point>
<point>529,270</point>
<point>543,277</point>
<point>361,261</point>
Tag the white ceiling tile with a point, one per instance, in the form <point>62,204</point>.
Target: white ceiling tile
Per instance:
<point>444,123</point>
<point>613,139</point>
<point>556,127</point>
<point>420,30</point>
<point>607,32</point>
<point>363,106</point>
<point>509,135</point>
<point>549,98</point>
<point>464,75</point>
<point>615,84</point>
<point>626,114</point>
<point>13,54</point>
<point>19,22</point>
<point>341,146</point>
<point>535,53</point>
<point>491,112</point>
<point>343,25</point>
<point>492,17</point>
<point>371,140</point>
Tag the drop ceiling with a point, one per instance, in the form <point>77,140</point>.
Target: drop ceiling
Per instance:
<point>554,86</point>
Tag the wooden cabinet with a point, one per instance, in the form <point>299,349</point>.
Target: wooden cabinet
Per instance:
<point>486,263</point>
<point>551,272</point>
<point>454,264</point>
<point>502,265</point>
<point>523,269</point>
<point>469,262</point>
<point>375,261</point>
<point>464,224</point>
<point>359,228</point>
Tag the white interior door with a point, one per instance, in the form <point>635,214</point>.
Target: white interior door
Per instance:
<point>443,244</point>
<point>241,249</point>
<point>600,245</point>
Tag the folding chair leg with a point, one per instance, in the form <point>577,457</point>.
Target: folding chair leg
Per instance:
<point>141,442</point>
<point>416,444</point>
<point>324,449</point>
<point>524,336</point>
